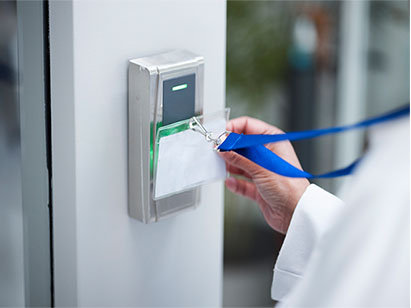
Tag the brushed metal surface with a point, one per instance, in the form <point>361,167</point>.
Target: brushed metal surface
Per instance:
<point>145,110</point>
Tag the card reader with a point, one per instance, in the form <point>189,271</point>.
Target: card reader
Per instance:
<point>163,89</point>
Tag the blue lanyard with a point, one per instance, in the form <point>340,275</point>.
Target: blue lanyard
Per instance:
<point>252,146</point>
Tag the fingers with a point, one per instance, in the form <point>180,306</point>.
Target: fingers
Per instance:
<point>247,125</point>
<point>242,187</point>
<point>236,161</point>
<point>237,171</point>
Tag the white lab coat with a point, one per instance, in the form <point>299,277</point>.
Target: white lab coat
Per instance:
<point>354,253</point>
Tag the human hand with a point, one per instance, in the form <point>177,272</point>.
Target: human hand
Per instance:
<point>276,195</point>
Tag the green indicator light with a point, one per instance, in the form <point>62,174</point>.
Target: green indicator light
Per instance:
<point>179,87</point>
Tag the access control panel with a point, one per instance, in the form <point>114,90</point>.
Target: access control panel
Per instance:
<point>163,89</point>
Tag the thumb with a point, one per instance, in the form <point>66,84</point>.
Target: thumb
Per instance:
<point>238,161</point>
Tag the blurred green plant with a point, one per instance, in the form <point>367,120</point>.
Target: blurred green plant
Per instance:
<point>258,39</point>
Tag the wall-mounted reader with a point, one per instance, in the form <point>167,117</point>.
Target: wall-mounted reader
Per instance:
<point>163,89</point>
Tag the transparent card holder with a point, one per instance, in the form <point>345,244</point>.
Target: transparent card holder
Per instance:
<point>184,158</point>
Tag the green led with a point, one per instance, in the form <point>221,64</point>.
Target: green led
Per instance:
<point>179,87</point>
<point>152,140</point>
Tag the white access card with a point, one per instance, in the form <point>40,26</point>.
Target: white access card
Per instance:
<point>186,160</point>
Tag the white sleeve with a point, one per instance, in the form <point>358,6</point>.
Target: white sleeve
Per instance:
<point>311,218</point>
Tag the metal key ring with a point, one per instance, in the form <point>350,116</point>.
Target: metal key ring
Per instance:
<point>194,123</point>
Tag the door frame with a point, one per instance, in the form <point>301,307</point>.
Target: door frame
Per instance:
<point>34,102</point>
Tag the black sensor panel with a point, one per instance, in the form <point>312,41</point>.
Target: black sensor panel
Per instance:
<point>178,99</point>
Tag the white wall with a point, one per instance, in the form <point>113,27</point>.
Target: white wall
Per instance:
<point>102,256</point>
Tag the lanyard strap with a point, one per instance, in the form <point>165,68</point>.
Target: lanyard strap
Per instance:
<point>252,146</point>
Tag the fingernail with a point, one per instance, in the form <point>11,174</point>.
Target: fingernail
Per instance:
<point>231,183</point>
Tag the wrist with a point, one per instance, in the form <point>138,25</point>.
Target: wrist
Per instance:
<point>294,197</point>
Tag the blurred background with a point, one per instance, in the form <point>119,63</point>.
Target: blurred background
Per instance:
<point>11,220</point>
<point>303,65</point>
